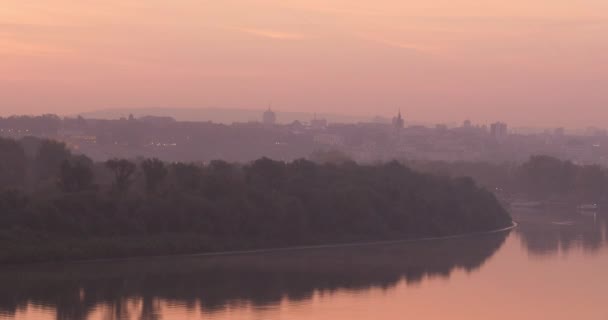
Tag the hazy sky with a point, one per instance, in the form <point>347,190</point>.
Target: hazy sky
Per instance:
<point>539,62</point>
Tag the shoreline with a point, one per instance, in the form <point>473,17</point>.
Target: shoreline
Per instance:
<point>513,225</point>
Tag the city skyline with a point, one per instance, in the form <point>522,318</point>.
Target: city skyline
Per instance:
<point>284,117</point>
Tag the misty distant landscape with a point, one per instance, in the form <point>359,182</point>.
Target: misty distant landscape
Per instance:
<point>168,139</point>
<point>303,160</point>
<point>76,188</point>
<point>223,115</point>
<point>264,185</point>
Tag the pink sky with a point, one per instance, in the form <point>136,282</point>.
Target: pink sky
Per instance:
<point>540,62</point>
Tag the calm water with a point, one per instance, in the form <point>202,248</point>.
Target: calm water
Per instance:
<point>553,266</point>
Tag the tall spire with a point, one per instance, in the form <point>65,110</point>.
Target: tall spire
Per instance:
<point>398,120</point>
<point>269,117</point>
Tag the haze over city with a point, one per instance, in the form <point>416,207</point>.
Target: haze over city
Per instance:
<point>303,159</point>
<point>540,63</point>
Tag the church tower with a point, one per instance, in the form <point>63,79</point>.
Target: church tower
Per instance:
<point>398,121</point>
<point>269,117</point>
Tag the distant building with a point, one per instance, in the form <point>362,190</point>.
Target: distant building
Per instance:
<point>296,126</point>
<point>441,128</point>
<point>269,117</point>
<point>499,130</point>
<point>559,132</point>
<point>593,131</point>
<point>157,120</point>
<point>398,122</point>
<point>328,139</point>
<point>466,124</point>
<point>382,120</point>
<point>316,123</point>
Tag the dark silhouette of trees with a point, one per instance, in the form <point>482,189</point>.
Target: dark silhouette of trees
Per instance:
<point>266,173</point>
<point>540,178</point>
<point>47,162</point>
<point>12,206</point>
<point>155,172</point>
<point>187,175</point>
<point>225,206</point>
<point>12,164</point>
<point>332,156</point>
<point>591,183</point>
<point>544,175</point>
<point>76,174</point>
<point>123,170</point>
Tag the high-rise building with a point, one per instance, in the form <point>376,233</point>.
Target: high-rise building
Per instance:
<point>499,130</point>
<point>398,122</point>
<point>269,117</point>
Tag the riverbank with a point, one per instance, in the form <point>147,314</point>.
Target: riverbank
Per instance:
<point>132,248</point>
<point>324,246</point>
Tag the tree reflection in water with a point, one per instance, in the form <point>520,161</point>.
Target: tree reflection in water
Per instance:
<point>548,232</point>
<point>213,283</point>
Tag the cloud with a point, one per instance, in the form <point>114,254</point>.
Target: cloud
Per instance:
<point>334,10</point>
<point>407,45</point>
<point>30,39</point>
<point>412,46</point>
<point>21,48</point>
<point>33,28</point>
<point>272,34</point>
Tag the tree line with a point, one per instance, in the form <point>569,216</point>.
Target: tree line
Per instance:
<point>540,178</point>
<point>58,205</point>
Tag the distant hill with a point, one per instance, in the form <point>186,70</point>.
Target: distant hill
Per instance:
<point>219,115</point>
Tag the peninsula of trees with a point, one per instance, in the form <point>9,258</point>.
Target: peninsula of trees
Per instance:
<point>55,205</point>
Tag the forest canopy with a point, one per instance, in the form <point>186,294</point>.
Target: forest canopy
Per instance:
<point>541,178</point>
<point>55,205</point>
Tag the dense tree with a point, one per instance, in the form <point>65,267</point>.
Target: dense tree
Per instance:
<point>224,206</point>
<point>12,206</point>
<point>12,164</point>
<point>51,154</point>
<point>332,156</point>
<point>187,175</point>
<point>266,173</point>
<point>544,176</point>
<point>258,204</point>
<point>76,174</point>
<point>591,183</point>
<point>539,178</point>
<point>123,171</point>
<point>155,172</point>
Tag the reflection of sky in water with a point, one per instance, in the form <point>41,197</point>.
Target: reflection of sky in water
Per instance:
<point>543,270</point>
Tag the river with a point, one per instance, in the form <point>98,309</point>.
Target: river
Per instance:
<point>554,265</point>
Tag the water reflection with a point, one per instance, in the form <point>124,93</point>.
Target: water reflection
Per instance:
<point>134,289</point>
<point>549,232</point>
